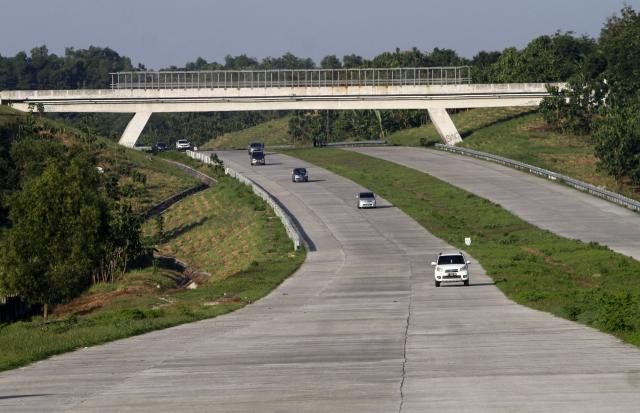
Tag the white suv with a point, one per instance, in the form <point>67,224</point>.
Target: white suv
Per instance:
<point>452,267</point>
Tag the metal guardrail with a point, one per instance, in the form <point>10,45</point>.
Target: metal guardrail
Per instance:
<point>351,144</point>
<point>449,75</point>
<point>290,228</point>
<point>554,176</point>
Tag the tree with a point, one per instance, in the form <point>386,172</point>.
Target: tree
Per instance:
<point>619,44</point>
<point>617,137</point>
<point>59,224</point>
<point>545,59</point>
<point>330,62</point>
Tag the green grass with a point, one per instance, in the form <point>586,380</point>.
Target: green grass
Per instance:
<point>225,230</point>
<point>273,132</point>
<point>466,121</point>
<point>162,178</point>
<point>582,282</point>
<point>528,139</point>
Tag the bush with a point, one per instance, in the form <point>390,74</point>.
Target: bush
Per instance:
<point>617,313</point>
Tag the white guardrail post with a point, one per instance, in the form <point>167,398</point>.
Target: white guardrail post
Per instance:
<point>574,183</point>
<point>291,229</point>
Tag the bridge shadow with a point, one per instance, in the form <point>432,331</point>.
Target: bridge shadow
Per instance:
<point>21,396</point>
<point>175,233</point>
<point>470,132</point>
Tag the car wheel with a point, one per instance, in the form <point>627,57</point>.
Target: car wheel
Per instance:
<point>466,283</point>
<point>437,283</point>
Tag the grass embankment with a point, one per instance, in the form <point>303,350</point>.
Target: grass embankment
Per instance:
<point>587,283</point>
<point>272,132</point>
<point>466,122</point>
<point>225,230</point>
<point>161,179</point>
<point>529,139</point>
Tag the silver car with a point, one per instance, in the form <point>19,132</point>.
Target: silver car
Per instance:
<point>366,200</point>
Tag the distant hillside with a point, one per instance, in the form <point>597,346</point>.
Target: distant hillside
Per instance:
<point>162,178</point>
<point>273,132</point>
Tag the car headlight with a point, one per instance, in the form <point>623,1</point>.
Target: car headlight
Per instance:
<point>438,269</point>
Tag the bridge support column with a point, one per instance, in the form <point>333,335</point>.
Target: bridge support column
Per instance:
<point>134,129</point>
<point>444,125</point>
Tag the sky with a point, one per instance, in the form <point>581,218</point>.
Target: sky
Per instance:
<point>161,33</point>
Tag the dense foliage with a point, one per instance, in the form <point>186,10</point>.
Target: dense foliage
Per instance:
<point>65,224</point>
<point>602,97</point>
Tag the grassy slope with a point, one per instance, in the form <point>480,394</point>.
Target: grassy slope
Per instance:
<point>273,132</point>
<point>163,179</point>
<point>571,279</point>
<point>466,122</point>
<point>528,139</point>
<point>225,230</point>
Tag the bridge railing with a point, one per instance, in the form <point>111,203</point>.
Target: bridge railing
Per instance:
<point>291,78</point>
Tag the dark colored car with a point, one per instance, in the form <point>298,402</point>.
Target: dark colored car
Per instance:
<point>255,147</point>
<point>160,147</point>
<point>299,175</point>
<point>257,158</point>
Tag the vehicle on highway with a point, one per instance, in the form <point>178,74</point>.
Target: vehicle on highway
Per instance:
<point>299,175</point>
<point>451,267</point>
<point>183,145</point>
<point>255,146</point>
<point>366,200</point>
<point>160,147</point>
<point>257,158</point>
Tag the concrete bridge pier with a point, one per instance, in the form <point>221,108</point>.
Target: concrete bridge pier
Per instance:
<point>134,129</point>
<point>444,125</point>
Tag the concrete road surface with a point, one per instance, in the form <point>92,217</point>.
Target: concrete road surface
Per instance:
<point>359,328</point>
<point>548,205</point>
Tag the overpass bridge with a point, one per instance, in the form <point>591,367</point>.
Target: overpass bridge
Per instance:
<point>142,93</point>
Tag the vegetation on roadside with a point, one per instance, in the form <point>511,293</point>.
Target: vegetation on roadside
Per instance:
<point>70,207</point>
<point>587,283</point>
<point>466,121</point>
<point>272,132</point>
<point>235,247</point>
<point>529,139</point>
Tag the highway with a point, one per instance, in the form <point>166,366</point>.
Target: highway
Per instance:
<point>359,328</point>
<point>546,204</point>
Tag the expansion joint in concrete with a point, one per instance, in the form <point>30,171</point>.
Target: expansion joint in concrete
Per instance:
<point>404,351</point>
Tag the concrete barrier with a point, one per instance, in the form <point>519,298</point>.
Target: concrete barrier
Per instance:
<point>287,221</point>
<point>554,176</point>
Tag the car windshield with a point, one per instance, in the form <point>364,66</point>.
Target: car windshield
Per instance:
<point>300,171</point>
<point>450,259</point>
<point>256,145</point>
<point>183,141</point>
<point>366,195</point>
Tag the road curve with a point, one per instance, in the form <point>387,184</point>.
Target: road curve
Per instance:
<point>548,205</point>
<point>359,328</point>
